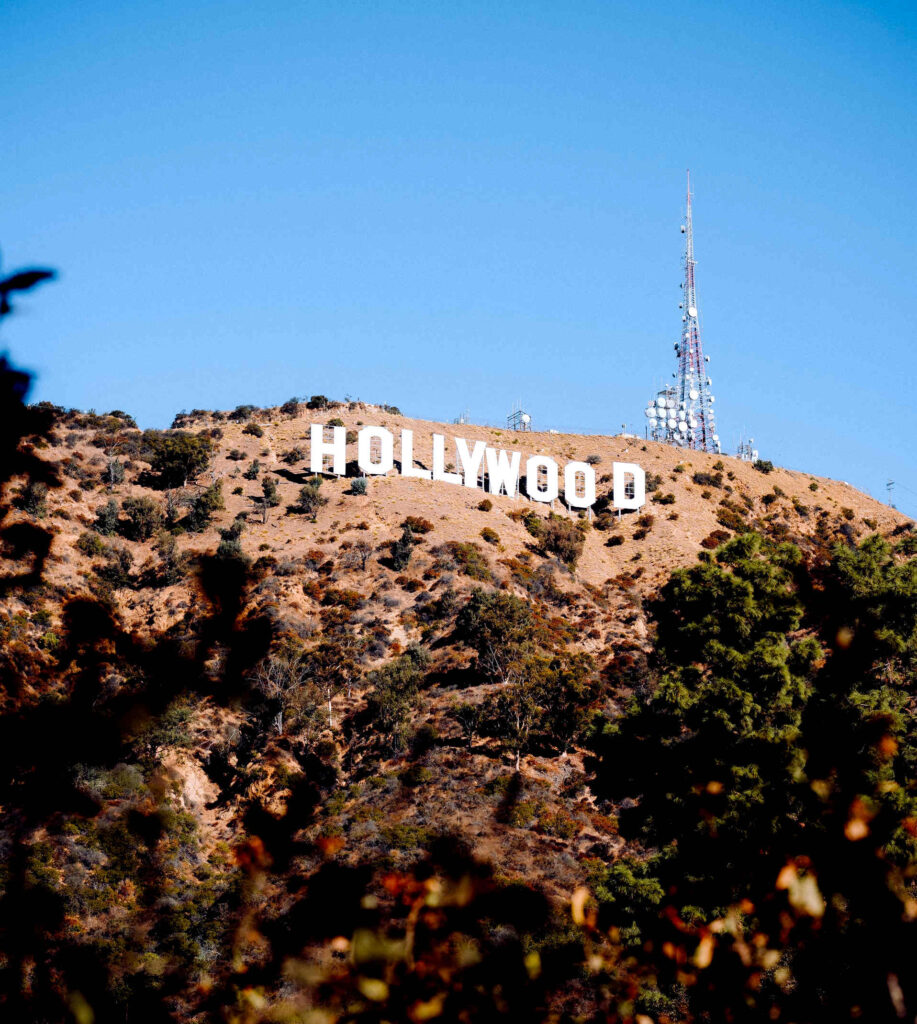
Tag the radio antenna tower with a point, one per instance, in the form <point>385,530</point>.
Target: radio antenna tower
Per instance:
<point>683,414</point>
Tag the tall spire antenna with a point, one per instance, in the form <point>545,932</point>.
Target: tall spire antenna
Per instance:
<point>683,413</point>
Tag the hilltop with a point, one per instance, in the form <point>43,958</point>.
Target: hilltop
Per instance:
<point>294,688</point>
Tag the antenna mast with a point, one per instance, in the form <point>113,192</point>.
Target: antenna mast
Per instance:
<point>683,414</point>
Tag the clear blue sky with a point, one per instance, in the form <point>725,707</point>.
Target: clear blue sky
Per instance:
<point>454,205</point>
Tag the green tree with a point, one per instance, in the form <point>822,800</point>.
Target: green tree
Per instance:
<point>500,627</point>
<point>106,521</point>
<point>203,506</point>
<point>270,494</point>
<point>394,695</point>
<point>177,457</point>
<point>144,517</point>
<point>402,549</point>
<point>311,500</point>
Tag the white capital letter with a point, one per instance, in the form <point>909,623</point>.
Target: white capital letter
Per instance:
<point>439,462</point>
<point>407,457</point>
<point>570,495</point>
<point>365,450</point>
<point>337,449</point>
<point>503,471</point>
<point>532,466</point>
<point>620,486</point>
<point>470,462</point>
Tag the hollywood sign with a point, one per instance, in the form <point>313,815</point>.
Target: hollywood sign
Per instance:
<point>480,466</point>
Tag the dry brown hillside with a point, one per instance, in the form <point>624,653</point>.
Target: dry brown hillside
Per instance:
<point>323,596</point>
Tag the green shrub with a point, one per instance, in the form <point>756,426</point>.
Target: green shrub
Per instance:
<point>489,535</point>
<point>255,429</point>
<point>763,465</point>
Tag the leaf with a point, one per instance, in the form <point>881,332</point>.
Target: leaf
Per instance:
<point>25,279</point>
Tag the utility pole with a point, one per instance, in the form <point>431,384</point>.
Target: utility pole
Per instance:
<point>888,487</point>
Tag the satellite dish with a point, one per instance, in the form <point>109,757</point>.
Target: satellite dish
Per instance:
<point>683,319</point>
<point>712,399</point>
<point>653,423</point>
<point>682,229</point>
<point>651,411</point>
<point>706,359</point>
<point>672,422</point>
<point>670,402</point>
<point>692,310</point>
<point>694,394</point>
<point>681,414</point>
<point>526,418</point>
<point>716,438</point>
<point>660,402</point>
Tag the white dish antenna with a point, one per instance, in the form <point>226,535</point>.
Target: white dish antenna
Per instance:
<point>694,394</point>
<point>692,310</point>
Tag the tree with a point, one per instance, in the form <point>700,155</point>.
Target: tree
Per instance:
<point>771,788</point>
<point>107,518</point>
<point>270,493</point>
<point>500,627</point>
<point>394,695</point>
<point>144,517</point>
<point>177,457</point>
<point>402,549</point>
<point>203,507</point>
<point>114,472</point>
<point>310,500</point>
<point>251,473</point>
<point>290,407</point>
<point>293,700</point>
<point>513,712</point>
<point>568,690</point>
<point>469,718</point>
<point>171,562</point>
<point>332,666</point>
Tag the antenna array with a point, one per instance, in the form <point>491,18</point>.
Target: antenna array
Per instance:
<point>682,414</point>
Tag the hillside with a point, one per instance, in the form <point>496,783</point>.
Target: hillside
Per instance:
<point>281,741</point>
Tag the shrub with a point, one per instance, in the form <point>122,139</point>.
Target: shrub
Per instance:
<point>290,407</point>
<point>763,465</point>
<point>486,505</point>
<point>203,507</point>
<point>270,493</point>
<point>144,518</point>
<point>489,535</point>
<point>107,518</point>
<point>813,486</point>
<point>593,460</point>
<point>613,542</point>
<point>403,548</point>
<point>32,499</point>
<point>418,524</point>
<point>90,544</point>
<point>848,513</point>
<point>177,457</point>
<point>253,470</point>
<point>335,422</point>
<point>563,538</point>
<point>310,500</point>
<point>653,482</point>
<point>708,479</point>
<point>470,559</point>
<point>664,499</point>
<point>294,455</point>
<point>359,485</point>
<point>255,429</point>
<point>715,539</point>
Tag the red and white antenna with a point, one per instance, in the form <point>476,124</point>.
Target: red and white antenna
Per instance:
<point>683,413</point>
